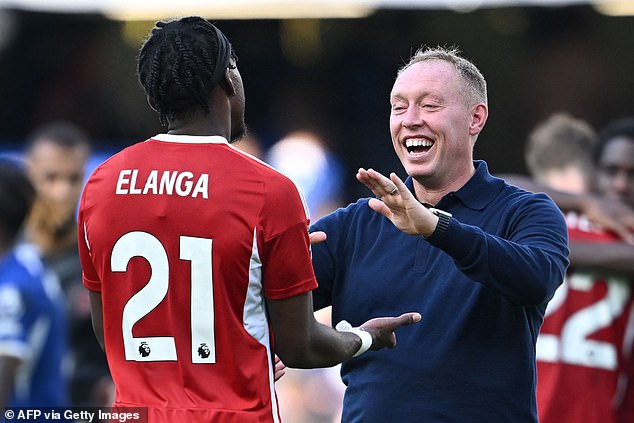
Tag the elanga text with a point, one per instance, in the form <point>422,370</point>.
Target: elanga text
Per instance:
<point>166,182</point>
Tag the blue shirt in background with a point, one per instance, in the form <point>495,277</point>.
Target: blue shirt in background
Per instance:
<point>33,329</point>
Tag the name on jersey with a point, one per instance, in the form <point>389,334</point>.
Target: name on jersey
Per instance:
<point>167,182</point>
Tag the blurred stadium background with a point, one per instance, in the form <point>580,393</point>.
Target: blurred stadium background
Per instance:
<point>322,64</point>
<point>325,66</point>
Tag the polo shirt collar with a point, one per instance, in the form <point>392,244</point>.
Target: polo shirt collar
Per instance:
<point>191,139</point>
<point>478,192</point>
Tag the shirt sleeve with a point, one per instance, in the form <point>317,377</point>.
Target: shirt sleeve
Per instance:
<point>286,263</point>
<point>527,263</point>
<point>13,332</point>
<point>336,226</point>
<point>90,278</point>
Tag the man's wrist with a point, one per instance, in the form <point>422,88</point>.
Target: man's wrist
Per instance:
<point>366,337</point>
<point>443,221</point>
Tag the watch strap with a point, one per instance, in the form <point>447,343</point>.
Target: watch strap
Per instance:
<point>443,221</point>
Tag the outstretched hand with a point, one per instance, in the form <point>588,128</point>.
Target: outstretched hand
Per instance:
<point>397,203</point>
<point>382,329</point>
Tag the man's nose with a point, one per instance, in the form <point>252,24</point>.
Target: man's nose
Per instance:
<point>413,117</point>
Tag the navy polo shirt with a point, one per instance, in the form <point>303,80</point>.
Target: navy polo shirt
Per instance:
<point>482,289</point>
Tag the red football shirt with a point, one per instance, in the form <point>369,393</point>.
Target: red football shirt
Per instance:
<point>582,345</point>
<point>184,237</point>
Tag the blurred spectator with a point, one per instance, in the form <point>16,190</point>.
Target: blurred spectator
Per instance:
<point>305,158</point>
<point>56,158</point>
<point>582,345</point>
<point>315,395</point>
<point>615,169</point>
<point>32,320</point>
<point>559,153</point>
<point>615,158</point>
<point>250,144</point>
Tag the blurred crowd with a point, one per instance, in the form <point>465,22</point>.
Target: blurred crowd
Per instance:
<point>582,168</point>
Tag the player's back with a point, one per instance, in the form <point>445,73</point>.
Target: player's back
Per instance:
<point>582,341</point>
<point>178,235</point>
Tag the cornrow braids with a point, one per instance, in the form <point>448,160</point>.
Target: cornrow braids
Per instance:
<point>180,64</point>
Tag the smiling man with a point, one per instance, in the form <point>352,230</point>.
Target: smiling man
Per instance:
<point>479,258</point>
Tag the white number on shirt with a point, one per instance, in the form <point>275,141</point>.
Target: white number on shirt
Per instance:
<point>573,346</point>
<point>163,348</point>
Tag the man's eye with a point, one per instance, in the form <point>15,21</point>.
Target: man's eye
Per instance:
<point>75,179</point>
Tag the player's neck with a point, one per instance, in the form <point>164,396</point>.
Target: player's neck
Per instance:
<point>199,127</point>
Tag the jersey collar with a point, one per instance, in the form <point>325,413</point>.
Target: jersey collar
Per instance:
<point>191,139</point>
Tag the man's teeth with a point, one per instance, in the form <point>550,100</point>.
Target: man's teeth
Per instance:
<point>412,143</point>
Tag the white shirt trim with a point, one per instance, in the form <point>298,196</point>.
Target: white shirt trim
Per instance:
<point>191,139</point>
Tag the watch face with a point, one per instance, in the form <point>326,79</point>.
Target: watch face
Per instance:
<point>439,212</point>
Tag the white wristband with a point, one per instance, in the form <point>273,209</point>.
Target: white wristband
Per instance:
<point>366,337</point>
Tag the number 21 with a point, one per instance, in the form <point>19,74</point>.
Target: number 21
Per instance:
<point>163,348</point>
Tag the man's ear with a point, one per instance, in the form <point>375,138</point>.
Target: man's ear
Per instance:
<point>151,103</point>
<point>228,83</point>
<point>479,115</point>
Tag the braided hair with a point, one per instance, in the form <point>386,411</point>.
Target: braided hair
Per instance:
<point>180,64</point>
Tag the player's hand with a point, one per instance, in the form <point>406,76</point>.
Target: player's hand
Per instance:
<point>612,214</point>
<point>382,329</point>
<point>280,369</point>
<point>397,203</point>
<point>317,237</point>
